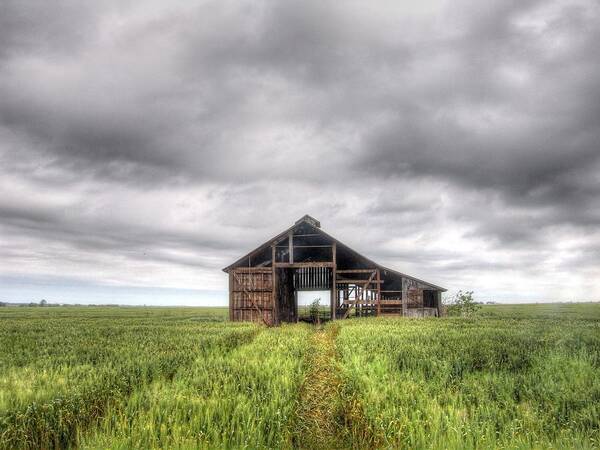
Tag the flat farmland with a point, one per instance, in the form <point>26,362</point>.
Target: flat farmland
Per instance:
<point>524,376</point>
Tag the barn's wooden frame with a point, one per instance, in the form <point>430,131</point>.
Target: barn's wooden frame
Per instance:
<point>263,284</point>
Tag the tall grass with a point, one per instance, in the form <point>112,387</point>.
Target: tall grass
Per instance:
<point>244,399</point>
<point>125,378</point>
<point>473,384</point>
<point>59,375</point>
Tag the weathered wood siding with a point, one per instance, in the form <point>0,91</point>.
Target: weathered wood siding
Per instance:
<point>251,296</point>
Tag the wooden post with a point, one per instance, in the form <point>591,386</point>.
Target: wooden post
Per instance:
<point>404,297</point>
<point>274,309</point>
<point>291,246</point>
<point>230,297</point>
<point>334,293</point>
<point>378,293</point>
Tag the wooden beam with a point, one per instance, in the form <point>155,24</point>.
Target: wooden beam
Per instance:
<point>275,310</point>
<point>350,305</point>
<point>314,246</point>
<point>253,269</point>
<point>374,302</point>
<point>303,246</point>
<point>356,271</point>
<point>359,282</point>
<point>365,287</point>
<point>231,297</point>
<point>404,297</point>
<point>334,292</point>
<point>298,265</point>
<point>378,293</point>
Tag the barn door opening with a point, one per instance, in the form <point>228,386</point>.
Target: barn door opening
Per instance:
<point>312,287</point>
<point>285,295</point>
<point>313,306</point>
<point>297,288</point>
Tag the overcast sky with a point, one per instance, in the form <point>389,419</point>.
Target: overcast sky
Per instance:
<point>146,145</point>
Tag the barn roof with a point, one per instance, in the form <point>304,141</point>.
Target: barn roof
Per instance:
<point>314,223</point>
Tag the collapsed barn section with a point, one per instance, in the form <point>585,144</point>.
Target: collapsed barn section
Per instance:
<point>265,285</point>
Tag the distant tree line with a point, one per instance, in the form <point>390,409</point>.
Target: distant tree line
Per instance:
<point>42,303</point>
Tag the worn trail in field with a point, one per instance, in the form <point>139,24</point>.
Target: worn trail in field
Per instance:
<point>319,411</point>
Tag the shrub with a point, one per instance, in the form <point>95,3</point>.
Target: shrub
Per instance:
<point>462,304</point>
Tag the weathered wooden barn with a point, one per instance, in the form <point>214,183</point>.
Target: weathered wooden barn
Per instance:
<point>264,284</point>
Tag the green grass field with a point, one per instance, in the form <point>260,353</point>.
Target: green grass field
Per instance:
<point>524,376</point>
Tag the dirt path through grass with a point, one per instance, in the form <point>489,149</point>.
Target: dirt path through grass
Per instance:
<point>319,412</point>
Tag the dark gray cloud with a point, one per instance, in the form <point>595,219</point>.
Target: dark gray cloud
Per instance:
<point>37,26</point>
<point>152,143</point>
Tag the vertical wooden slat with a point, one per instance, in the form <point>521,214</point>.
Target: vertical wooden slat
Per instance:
<point>231,297</point>
<point>334,299</point>
<point>378,292</point>
<point>275,309</point>
<point>296,305</point>
<point>404,297</point>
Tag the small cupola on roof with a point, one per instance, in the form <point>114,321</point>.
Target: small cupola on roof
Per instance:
<point>310,220</point>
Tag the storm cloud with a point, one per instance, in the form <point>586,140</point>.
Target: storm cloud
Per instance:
<point>149,144</point>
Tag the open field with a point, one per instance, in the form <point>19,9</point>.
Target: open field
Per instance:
<point>523,376</point>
